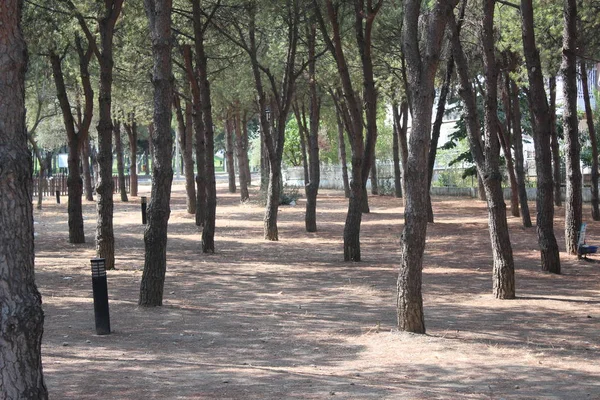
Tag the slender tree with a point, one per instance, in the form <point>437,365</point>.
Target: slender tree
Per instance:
<point>573,201</point>
<point>185,137</point>
<point>155,236</point>
<point>132,134</point>
<point>22,318</point>
<point>120,163</point>
<point>105,240</point>
<point>589,117</point>
<point>229,127</point>
<point>539,106</point>
<point>241,149</point>
<point>554,146</point>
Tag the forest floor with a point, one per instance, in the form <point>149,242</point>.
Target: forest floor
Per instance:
<point>291,320</point>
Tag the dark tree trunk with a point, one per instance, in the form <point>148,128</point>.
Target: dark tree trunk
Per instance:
<point>539,104</point>
<point>208,230</point>
<point>241,150</point>
<point>185,135</point>
<point>554,145</point>
<point>573,206</point>
<point>519,163</point>
<point>505,136</point>
<point>589,117</point>
<point>314,106</point>
<point>155,235</point>
<point>22,318</point>
<point>245,146</point>
<point>437,124</point>
<point>228,126</point>
<point>300,113</point>
<point>74,139</point>
<point>200,137</point>
<point>87,173</point>
<point>42,171</point>
<point>120,165</point>
<point>132,134</point>
<point>342,147</point>
<point>487,157</point>
<point>374,178</point>
<point>403,143</point>
<point>420,76</point>
<point>396,152</point>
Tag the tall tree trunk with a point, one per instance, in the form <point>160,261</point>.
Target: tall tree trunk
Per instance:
<point>228,126</point>
<point>374,178</point>
<point>573,206</point>
<point>519,162</point>
<point>342,151</point>
<point>554,145</point>
<point>210,213</point>
<point>242,156</point>
<point>589,117</point>
<point>314,106</point>
<point>120,165</point>
<point>198,121</point>
<point>185,135</point>
<point>545,209</point>
<point>132,134</point>
<point>74,182</point>
<point>403,143</point>
<point>87,174</point>
<point>487,157</point>
<point>300,114</point>
<point>420,74</point>
<point>264,163</point>
<point>155,235</point>
<point>245,146</point>
<point>505,136</point>
<point>396,152</point>
<point>22,321</point>
<point>42,170</point>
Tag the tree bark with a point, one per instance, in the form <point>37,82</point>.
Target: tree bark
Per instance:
<point>420,78</point>
<point>185,133</point>
<point>342,147</point>
<point>589,118</point>
<point>573,206</point>
<point>21,315</point>
<point>200,137</point>
<point>120,165</point>
<point>554,145</point>
<point>242,156</point>
<point>403,143</point>
<point>519,163</point>
<point>539,104</point>
<point>132,134</point>
<point>505,136</point>
<point>88,190</point>
<point>299,112</point>
<point>373,176</point>
<point>487,157</point>
<point>229,127</point>
<point>155,235</point>
<point>208,229</point>
<point>396,152</point>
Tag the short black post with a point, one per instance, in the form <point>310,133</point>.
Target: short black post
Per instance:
<point>58,197</point>
<point>100,288</point>
<point>144,205</point>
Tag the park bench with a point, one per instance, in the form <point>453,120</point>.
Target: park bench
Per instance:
<point>582,248</point>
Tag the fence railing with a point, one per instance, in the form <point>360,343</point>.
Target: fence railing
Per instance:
<point>58,182</point>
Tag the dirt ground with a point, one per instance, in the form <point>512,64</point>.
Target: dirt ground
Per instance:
<point>291,320</point>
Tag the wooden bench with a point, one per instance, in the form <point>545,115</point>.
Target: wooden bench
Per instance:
<point>582,248</point>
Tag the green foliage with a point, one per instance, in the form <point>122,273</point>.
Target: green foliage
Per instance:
<point>289,195</point>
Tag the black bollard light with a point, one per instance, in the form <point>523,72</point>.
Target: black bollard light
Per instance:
<point>144,205</point>
<point>58,197</point>
<point>100,288</point>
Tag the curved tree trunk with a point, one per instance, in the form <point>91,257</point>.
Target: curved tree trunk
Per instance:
<point>155,235</point>
<point>22,321</point>
<point>573,201</point>
<point>545,208</point>
<point>554,145</point>
<point>589,117</point>
<point>519,163</point>
<point>120,164</point>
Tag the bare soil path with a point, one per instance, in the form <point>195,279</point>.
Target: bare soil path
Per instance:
<point>290,320</point>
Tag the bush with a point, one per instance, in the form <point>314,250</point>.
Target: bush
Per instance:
<point>289,195</point>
